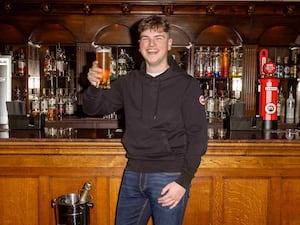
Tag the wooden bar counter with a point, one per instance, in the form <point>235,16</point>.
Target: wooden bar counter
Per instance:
<point>246,179</point>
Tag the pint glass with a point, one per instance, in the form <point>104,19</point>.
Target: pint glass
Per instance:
<point>103,56</point>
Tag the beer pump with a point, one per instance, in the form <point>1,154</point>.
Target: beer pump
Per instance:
<point>268,91</point>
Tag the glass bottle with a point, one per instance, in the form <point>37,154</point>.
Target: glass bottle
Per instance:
<point>47,64</point>
<point>297,104</point>
<point>290,108</point>
<point>52,106</point>
<point>199,62</point>
<point>208,63</point>
<point>60,104</point>
<point>60,62</point>
<point>286,67</point>
<point>240,63</point>
<point>223,101</point>
<point>44,102</point>
<point>234,62</point>
<point>84,194</point>
<point>226,63</point>
<point>21,63</point>
<point>17,94</point>
<point>210,105</point>
<point>69,105</point>
<point>294,65</point>
<point>35,103</point>
<point>279,68</point>
<point>122,65</point>
<point>53,64</point>
<point>216,65</point>
<point>281,106</point>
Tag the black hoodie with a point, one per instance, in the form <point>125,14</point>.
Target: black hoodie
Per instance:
<point>165,123</point>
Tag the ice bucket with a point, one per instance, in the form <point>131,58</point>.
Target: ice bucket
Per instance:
<point>68,210</point>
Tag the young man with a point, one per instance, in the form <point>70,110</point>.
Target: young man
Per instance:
<point>165,129</point>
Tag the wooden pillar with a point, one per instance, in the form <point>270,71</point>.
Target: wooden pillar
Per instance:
<point>249,93</point>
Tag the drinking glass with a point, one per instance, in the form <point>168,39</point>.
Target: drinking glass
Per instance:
<point>104,58</point>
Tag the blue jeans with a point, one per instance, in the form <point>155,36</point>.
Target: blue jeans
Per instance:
<point>138,200</point>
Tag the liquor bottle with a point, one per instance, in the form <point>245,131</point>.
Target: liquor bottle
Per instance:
<point>17,94</point>
<point>210,105</point>
<point>52,106</point>
<point>53,64</point>
<point>122,64</point>
<point>208,63</point>
<point>60,104</point>
<point>35,103</point>
<point>199,63</point>
<point>216,64</point>
<point>234,62</point>
<point>21,63</point>
<point>290,108</point>
<point>297,107</point>
<point>240,63</point>
<point>280,106</point>
<point>84,194</point>
<point>294,65</point>
<point>47,64</point>
<point>223,101</point>
<point>286,67</point>
<point>69,105</point>
<point>44,102</point>
<point>226,63</point>
<point>60,61</point>
<point>279,68</point>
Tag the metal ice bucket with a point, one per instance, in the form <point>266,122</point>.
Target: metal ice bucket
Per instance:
<point>68,210</point>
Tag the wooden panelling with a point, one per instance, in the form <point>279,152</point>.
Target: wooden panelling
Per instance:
<point>290,199</point>
<point>245,201</point>
<point>19,200</point>
<point>238,182</point>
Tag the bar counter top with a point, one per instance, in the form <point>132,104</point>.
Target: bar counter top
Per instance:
<point>115,135</point>
<point>245,177</point>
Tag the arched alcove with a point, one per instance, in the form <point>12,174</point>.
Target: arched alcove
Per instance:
<point>52,34</point>
<point>114,34</point>
<point>118,34</point>
<point>278,36</point>
<point>179,37</point>
<point>10,34</point>
<point>216,35</point>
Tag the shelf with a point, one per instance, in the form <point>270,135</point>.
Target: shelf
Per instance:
<point>84,123</point>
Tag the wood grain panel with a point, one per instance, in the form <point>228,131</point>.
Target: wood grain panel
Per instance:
<point>199,204</point>
<point>239,182</point>
<point>101,200</point>
<point>290,200</point>
<point>19,200</point>
<point>245,201</point>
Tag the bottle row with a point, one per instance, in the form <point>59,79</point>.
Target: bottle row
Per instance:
<point>218,61</point>
<point>54,104</point>
<point>218,102</point>
<point>288,108</point>
<point>288,66</point>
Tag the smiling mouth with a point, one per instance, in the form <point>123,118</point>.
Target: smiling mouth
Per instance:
<point>152,51</point>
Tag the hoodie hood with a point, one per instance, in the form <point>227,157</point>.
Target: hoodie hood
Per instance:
<point>174,67</point>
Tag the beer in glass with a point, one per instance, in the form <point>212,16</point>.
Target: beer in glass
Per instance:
<point>103,57</point>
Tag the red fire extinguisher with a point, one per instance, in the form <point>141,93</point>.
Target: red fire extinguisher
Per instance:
<point>268,97</point>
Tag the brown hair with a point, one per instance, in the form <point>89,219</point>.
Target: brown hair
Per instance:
<point>154,22</point>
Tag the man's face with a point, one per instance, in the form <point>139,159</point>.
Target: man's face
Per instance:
<point>154,46</point>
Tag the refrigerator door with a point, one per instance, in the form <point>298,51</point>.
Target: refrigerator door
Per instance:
<point>5,86</point>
